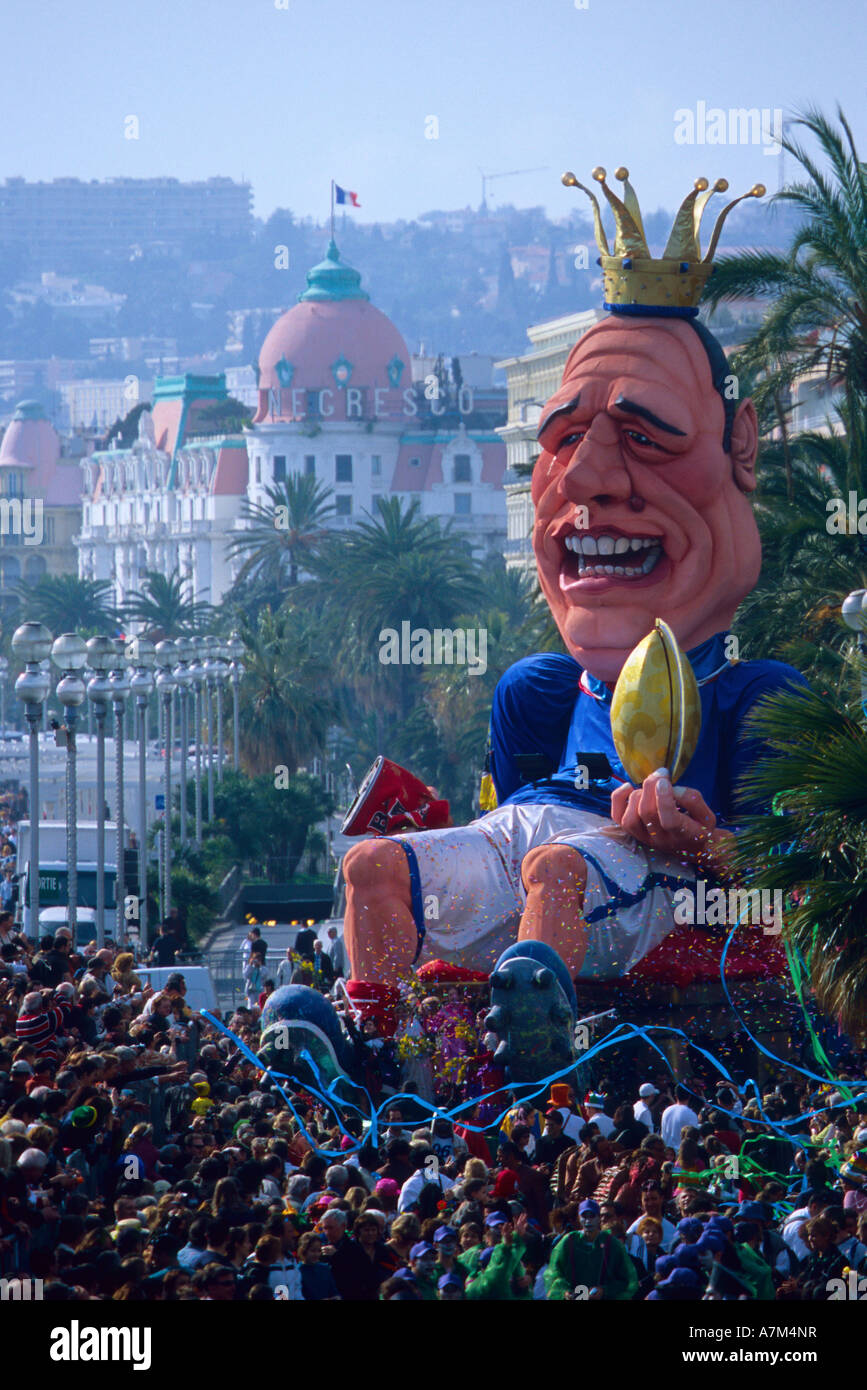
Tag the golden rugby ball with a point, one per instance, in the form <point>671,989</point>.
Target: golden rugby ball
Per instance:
<point>656,708</point>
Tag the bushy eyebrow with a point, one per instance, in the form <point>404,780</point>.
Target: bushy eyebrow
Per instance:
<point>561,410</point>
<point>634,409</point>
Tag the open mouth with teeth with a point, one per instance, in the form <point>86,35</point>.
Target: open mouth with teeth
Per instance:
<point>609,554</point>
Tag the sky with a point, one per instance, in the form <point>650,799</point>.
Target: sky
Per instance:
<point>289,94</point>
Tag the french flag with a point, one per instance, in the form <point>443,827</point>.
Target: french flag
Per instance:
<point>344,195</point>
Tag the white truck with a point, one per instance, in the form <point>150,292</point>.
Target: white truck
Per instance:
<point>53,873</point>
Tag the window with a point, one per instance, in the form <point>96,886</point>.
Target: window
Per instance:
<point>49,530</point>
<point>35,568</point>
<point>343,506</point>
<point>258,470</point>
<point>376,466</point>
<point>415,463</point>
<point>374,502</point>
<point>310,464</point>
<point>343,468</point>
<point>279,468</point>
<point>462,504</point>
<point>462,469</point>
<point>14,485</point>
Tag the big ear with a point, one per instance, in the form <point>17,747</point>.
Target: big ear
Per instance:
<point>745,445</point>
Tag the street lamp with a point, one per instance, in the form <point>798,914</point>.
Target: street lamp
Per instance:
<point>222,671</point>
<point>120,687</point>
<point>186,651</point>
<point>235,652</point>
<point>854,613</point>
<point>197,676</point>
<point>32,643</point>
<point>4,672</point>
<point>166,656</point>
<point>69,655</point>
<point>140,655</point>
<point>210,647</point>
<point>100,659</point>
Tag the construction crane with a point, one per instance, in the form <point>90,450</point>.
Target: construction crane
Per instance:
<point>507,174</point>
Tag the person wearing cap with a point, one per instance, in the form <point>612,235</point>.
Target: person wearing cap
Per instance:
<point>594,1105</point>
<point>641,1108</point>
<point>450,1288</point>
<point>423,1263</point>
<point>446,1244</point>
<point>592,1259</point>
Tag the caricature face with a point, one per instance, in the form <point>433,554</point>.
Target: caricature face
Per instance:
<point>637,417</point>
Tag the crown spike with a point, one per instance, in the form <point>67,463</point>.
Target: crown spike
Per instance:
<point>570,181</point>
<point>682,245</point>
<point>758,190</point>
<point>701,203</point>
<point>630,200</point>
<point>629,240</point>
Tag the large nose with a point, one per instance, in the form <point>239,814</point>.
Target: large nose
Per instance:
<point>596,471</point>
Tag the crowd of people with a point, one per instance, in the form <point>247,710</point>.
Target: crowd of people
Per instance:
<point>143,1156</point>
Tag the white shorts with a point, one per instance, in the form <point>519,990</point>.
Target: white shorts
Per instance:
<point>468,895</point>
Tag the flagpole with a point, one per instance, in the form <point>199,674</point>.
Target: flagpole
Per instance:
<point>332,209</point>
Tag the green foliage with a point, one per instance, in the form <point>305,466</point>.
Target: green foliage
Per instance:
<point>65,603</point>
<point>273,553</point>
<point>165,608</point>
<point>817,318</point>
<point>266,821</point>
<point>815,846</point>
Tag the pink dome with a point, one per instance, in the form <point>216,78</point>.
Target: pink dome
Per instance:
<point>30,441</point>
<point>335,344</point>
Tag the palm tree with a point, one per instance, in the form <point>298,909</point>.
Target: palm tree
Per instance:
<point>284,532</point>
<point>164,608</point>
<point>65,603</point>
<point>817,318</point>
<point>285,707</point>
<point>793,612</point>
<point>395,567</point>
<point>814,848</point>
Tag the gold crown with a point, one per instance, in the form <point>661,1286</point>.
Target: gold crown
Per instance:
<point>636,283</point>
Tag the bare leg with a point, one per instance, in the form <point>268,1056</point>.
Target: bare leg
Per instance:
<point>379,930</point>
<point>555,877</point>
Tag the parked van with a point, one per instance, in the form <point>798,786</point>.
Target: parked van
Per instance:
<point>52,918</point>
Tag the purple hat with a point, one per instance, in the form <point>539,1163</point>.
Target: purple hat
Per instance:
<point>588,1205</point>
<point>712,1241</point>
<point>421,1248</point>
<point>496,1218</point>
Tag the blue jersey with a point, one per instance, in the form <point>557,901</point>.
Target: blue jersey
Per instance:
<point>548,706</point>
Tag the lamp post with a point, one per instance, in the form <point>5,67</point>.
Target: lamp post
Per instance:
<point>4,672</point>
<point>854,614</point>
<point>69,655</point>
<point>186,650</point>
<point>119,690</point>
<point>140,655</point>
<point>100,659</point>
<point>221,663</point>
<point>166,656</point>
<point>210,648</point>
<point>235,650</point>
<point>32,643</point>
<point>197,675</point>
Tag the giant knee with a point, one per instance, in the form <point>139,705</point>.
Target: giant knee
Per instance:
<point>547,865</point>
<point>376,866</point>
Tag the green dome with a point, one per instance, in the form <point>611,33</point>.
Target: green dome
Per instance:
<point>331,279</point>
<point>29,410</point>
